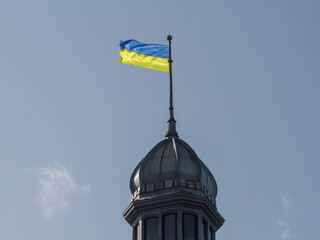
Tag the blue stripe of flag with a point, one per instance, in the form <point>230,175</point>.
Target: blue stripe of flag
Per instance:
<point>154,50</point>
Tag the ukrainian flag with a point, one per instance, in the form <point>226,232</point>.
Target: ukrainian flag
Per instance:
<point>151,56</point>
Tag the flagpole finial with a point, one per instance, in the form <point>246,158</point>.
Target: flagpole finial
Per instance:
<point>171,122</point>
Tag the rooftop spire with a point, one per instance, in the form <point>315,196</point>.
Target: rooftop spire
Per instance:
<point>171,122</point>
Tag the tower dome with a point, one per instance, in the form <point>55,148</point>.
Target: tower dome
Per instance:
<point>172,163</point>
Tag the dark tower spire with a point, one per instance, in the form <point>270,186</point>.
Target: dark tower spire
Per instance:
<point>171,122</point>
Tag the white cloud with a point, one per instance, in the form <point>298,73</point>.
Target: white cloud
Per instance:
<point>286,202</point>
<point>284,228</point>
<point>56,184</point>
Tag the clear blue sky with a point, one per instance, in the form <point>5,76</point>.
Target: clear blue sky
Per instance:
<point>75,122</point>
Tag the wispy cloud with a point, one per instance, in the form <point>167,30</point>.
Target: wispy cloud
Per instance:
<point>284,228</point>
<point>56,184</point>
<point>286,202</point>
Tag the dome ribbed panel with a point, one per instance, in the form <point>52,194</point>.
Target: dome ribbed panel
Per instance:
<point>134,180</point>
<point>189,166</point>
<point>204,177</point>
<point>208,180</point>
<point>137,179</point>
<point>152,165</point>
<point>169,163</point>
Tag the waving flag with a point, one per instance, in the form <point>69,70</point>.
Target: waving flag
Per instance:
<point>151,56</point>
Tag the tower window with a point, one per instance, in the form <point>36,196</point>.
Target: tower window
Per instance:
<point>204,230</point>
<point>190,227</point>
<point>150,229</point>
<point>170,227</point>
<point>211,234</point>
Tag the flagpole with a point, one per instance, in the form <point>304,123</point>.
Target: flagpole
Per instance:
<point>171,122</point>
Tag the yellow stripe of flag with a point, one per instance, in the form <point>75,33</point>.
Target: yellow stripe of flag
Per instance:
<point>141,60</point>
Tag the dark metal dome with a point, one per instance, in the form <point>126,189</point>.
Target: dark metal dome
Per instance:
<point>170,160</point>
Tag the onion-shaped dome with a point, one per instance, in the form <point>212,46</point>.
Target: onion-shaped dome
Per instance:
<point>170,160</point>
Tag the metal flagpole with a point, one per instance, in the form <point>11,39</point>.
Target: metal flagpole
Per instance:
<point>171,122</point>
